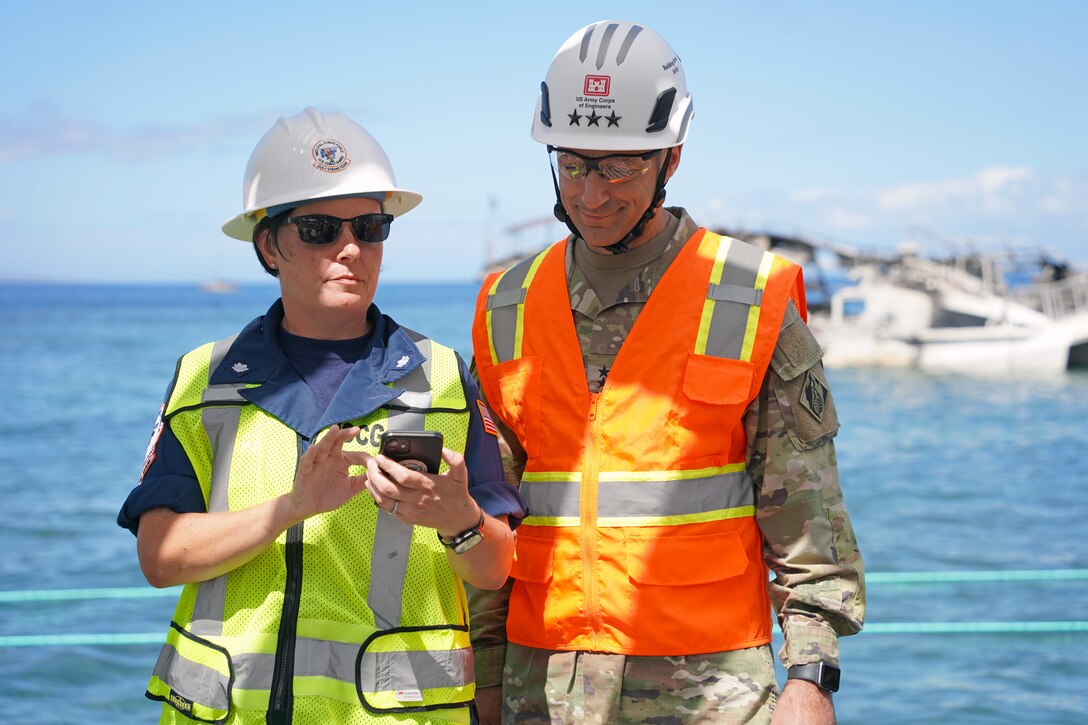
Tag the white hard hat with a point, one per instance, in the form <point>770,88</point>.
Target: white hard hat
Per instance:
<point>614,86</point>
<point>312,156</point>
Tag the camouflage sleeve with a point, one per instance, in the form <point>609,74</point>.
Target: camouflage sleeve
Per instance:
<point>818,589</point>
<point>488,608</point>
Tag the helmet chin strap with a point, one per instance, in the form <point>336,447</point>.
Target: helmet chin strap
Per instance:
<point>623,244</point>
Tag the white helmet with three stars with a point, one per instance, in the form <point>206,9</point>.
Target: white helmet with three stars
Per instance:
<point>614,86</point>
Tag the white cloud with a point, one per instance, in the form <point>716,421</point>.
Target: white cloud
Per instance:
<point>43,131</point>
<point>997,202</point>
<point>993,188</point>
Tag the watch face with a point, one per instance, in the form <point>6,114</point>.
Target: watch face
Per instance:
<point>823,675</point>
<point>829,678</point>
<point>470,540</point>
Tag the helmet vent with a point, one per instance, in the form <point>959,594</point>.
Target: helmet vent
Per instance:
<point>606,42</point>
<point>545,105</point>
<point>627,43</point>
<point>659,119</point>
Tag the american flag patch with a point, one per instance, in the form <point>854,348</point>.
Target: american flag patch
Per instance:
<point>489,425</point>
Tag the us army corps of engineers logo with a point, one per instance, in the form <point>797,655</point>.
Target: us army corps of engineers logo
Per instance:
<point>596,97</point>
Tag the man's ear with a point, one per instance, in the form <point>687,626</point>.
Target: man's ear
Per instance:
<point>674,161</point>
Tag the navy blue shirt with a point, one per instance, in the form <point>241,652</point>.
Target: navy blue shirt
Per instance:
<point>338,382</point>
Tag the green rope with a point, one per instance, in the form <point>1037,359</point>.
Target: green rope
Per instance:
<point>887,577</point>
<point>920,577</point>
<point>934,577</point>
<point>75,640</point>
<point>54,595</point>
<point>973,627</point>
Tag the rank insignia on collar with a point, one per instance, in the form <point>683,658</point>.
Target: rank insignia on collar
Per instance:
<point>814,396</point>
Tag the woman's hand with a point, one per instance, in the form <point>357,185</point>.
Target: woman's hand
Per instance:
<point>439,501</point>
<point>323,481</point>
<point>443,502</point>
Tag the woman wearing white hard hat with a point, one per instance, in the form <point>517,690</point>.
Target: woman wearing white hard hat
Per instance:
<point>304,601</point>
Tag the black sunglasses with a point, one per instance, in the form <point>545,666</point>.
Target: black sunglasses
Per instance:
<point>324,229</point>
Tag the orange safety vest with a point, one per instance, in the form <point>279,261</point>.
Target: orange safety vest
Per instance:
<point>641,536</point>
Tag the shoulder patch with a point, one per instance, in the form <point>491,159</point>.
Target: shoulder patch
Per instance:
<point>153,444</point>
<point>797,349</point>
<point>485,415</point>
<point>814,396</point>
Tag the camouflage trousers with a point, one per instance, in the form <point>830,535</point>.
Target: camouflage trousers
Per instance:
<point>542,686</point>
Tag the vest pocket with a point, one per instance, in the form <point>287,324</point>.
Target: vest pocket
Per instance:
<point>193,676</point>
<point>718,380</point>
<point>676,561</point>
<point>518,384</point>
<point>533,559</point>
<point>412,669</point>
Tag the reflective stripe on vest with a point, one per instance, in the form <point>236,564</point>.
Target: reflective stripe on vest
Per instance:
<point>738,278</point>
<point>506,308</point>
<point>395,668</point>
<point>645,498</point>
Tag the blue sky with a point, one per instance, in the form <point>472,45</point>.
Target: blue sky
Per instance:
<point>125,126</point>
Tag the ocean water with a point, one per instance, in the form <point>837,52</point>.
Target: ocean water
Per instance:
<point>942,474</point>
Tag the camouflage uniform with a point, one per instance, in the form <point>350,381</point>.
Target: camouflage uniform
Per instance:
<point>818,585</point>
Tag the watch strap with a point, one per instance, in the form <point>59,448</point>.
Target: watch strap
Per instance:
<point>823,675</point>
<point>465,540</point>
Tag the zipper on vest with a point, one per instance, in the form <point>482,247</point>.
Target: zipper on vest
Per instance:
<point>590,475</point>
<point>281,700</point>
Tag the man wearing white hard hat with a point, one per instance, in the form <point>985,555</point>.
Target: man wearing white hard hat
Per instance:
<point>671,426</point>
<point>322,578</point>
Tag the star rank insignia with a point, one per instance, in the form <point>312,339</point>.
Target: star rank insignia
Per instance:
<point>574,118</point>
<point>594,119</point>
<point>814,396</point>
<point>613,120</point>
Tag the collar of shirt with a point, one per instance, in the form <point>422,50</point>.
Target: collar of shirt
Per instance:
<point>255,359</point>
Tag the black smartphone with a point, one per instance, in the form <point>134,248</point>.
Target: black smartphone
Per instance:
<point>419,450</point>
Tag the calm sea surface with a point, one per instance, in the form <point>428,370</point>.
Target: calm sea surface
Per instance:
<point>942,474</point>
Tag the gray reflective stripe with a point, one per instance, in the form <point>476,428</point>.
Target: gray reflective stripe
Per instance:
<point>729,323</point>
<point>222,394</point>
<point>602,51</point>
<point>504,316</point>
<point>201,684</point>
<point>642,498</point>
<point>388,568</point>
<point>378,671</point>
<point>384,671</point>
<point>628,41</point>
<point>733,293</point>
<point>393,537</point>
<point>506,298</point>
<point>221,425</point>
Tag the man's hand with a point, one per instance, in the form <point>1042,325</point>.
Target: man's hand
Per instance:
<point>803,703</point>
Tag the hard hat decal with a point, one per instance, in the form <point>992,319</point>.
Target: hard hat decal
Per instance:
<point>330,155</point>
<point>597,85</point>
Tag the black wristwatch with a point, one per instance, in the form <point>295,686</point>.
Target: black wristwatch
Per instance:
<point>466,539</point>
<point>825,676</point>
